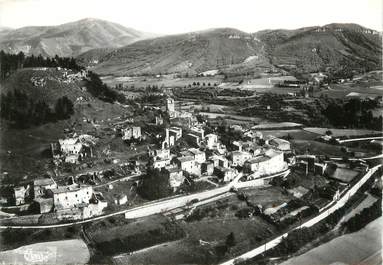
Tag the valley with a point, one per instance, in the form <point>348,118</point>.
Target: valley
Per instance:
<point>210,147</point>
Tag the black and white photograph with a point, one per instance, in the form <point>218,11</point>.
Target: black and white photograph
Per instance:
<point>179,132</point>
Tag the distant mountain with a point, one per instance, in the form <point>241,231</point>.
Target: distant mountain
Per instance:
<point>194,52</point>
<point>315,48</point>
<point>68,39</point>
<point>5,29</point>
<point>110,48</point>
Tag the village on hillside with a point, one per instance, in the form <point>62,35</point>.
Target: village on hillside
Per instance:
<point>172,160</point>
<point>216,146</point>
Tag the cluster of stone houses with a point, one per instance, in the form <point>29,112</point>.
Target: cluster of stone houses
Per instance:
<point>256,160</point>
<point>69,76</point>
<point>73,150</point>
<point>73,202</point>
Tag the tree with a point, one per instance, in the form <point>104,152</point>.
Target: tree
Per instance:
<point>155,184</point>
<point>63,108</point>
<point>230,240</point>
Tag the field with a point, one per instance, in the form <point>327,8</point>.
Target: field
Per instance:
<point>73,251</point>
<point>176,252</point>
<point>342,90</point>
<point>117,235</point>
<point>264,85</point>
<point>294,133</point>
<point>206,234</point>
<point>166,81</point>
<point>231,116</point>
<point>258,85</point>
<point>362,247</point>
<point>342,132</point>
<point>276,125</point>
<point>318,148</point>
<point>267,196</point>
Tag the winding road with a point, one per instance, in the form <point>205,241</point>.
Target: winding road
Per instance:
<point>155,207</point>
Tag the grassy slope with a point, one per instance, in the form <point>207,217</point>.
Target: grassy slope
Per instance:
<point>193,53</point>
<point>314,50</point>
<point>50,91</point>
<point>23,151</point>
<point>199,51</point>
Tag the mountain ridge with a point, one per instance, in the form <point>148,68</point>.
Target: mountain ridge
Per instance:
<point>69,39</point>
<point>305,49</point>
<point>110,48</point>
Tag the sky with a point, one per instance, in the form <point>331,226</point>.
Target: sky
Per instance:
<point>178,16</point>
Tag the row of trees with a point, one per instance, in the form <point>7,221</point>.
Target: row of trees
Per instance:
<point>98,89</point>
<point>155,184</point>
<point>353,113</point>
<point>364,217</point>
<point>23,112</point>
<point>9,63</point>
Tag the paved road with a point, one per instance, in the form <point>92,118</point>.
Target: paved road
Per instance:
<point>140,211</point>
<point>154,207</point>
<point>330,208</point>
<point>360,139</point>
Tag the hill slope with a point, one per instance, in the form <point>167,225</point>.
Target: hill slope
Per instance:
<point>186,53</point>
<point>315,48</point>
<point>68,39</point>
<point>304,50</point>
<point>46,84</point>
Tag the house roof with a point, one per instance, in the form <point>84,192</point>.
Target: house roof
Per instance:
<point>19,188</point>
<point>70,188</point>
<point>258,159</point>
<point>193,135</point>
<point>211,135</point>
<point>69,141</point>
<point>215,156</point>
<point>185,158</point>
<point>186,153</point>
<point>239,153</point>
<point>195,151</point>
<point>43,182</point>
<point>225,169</point>
<point>43,200</point>
<point>173,169</point>
<point>175,129</point>
<point>272,153</point>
